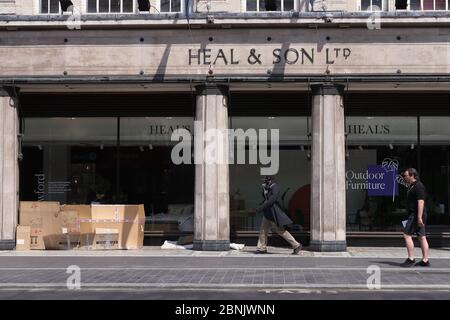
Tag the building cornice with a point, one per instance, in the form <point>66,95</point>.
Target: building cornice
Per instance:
<point>330,19</point>
<point>196,78</point>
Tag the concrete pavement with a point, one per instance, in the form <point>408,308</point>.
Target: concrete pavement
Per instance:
<point>153,268</point>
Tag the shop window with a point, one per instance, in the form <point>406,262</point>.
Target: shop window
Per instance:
<point>149,175</point>
<point>76,160</point>
<point>49,7</point>
<point>268,5</point>
<point>435,168</point>
<point>110,6</point>
<point>110,161</point>
<point>292,174</point>
<point>378,148</point>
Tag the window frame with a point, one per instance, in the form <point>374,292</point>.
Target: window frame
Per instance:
<point>182,5</point>
<point>39,9</point>
<point>244,6</point>
<point>408,8</point>
<point>109,9</point>
<point>384,6</point>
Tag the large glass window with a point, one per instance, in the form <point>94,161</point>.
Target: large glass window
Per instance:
<point>70,160</point>
<point>435,168</point>
<point>292,168</point>
<point>148,175</point>
<point>110,160</point>
<point>379,149</point>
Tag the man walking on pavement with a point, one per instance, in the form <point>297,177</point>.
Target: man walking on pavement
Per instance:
<point>415,224</point>
<point>274,217</point>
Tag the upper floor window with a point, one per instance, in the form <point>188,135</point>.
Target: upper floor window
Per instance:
<point>49,7</point>
<point>170,5</point>
<point>110,6</point>
<point>373,5</point>
<point>422,4</point>
<point>268,5</point>
<point>130,6</point>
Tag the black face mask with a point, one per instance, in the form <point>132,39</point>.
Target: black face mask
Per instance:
<point>267,184</point>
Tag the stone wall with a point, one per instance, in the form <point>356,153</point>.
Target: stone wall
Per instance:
<point>226,51</point>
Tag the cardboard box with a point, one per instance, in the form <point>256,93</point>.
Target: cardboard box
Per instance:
<point>129,220</point>
<point>23,238</point>
<point>103,239</point>
<point>67,241</point>
<point>41,217</point>
<point>68,222</point>
<point>69,226</point>
<point>84,216</point>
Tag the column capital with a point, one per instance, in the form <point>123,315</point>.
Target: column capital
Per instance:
<point>328,88</point>
<point>212,88</point>
<point>8,91</point>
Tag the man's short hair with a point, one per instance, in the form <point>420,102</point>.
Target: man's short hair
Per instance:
<point>268,179</point>
<point>412,172</point>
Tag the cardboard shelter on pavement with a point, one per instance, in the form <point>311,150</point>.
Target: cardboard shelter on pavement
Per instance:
<point>84,227</point>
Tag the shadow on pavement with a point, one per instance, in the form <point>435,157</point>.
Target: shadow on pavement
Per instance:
<point>389,263</point>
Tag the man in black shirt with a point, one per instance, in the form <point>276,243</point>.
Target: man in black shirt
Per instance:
<point>415,224</point>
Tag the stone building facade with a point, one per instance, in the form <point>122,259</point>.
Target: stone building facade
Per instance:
<point>88,97</point>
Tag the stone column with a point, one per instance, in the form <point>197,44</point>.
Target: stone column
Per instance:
<point>328,209</point>
<point>9,168</point>
<point>212,212</point>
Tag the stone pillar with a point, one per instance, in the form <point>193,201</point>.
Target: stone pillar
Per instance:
<point>212,212</point>
<point>328,209</point>
<point>9,168</point>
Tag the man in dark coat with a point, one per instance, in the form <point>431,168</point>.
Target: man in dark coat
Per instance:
<point>274,217</point>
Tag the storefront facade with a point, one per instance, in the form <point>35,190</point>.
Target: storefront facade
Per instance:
<point>90,103</point>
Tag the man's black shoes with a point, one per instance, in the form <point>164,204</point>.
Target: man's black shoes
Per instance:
<point>297,250</point>
<point>408,263</point>
<point>422,264</point>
